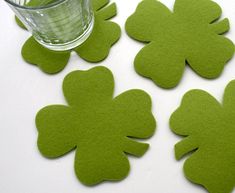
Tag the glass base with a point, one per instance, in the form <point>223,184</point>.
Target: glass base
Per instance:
<point>72,44</point>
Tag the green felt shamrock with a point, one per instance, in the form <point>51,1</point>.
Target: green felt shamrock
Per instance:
<point>101,128</point>
<point>94,49</point>
<point>188,35</point>
<point>209,131</point>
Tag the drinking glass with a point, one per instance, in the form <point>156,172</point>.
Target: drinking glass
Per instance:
<point>56,24</point>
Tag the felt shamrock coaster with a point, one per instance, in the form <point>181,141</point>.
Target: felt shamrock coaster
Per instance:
<point>95,49</point>
<point>101,128</point>
<point>188,35</point>
<point>209,131</point>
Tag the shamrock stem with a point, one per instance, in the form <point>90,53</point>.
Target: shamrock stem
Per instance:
<point>185,146</point>
<point>108,12</point>
<point>220,27</point>
<point>135,148</point>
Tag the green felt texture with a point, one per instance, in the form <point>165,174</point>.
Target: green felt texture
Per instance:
<point>209,131</point>
<point>189,35</point>
<point>95,49</point>
<point>19,23</point>
<point>101,128</point>
<point>47,60</point>
<point>97,46</point>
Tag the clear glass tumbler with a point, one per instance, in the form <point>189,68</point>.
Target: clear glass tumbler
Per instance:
<point>56,24</point>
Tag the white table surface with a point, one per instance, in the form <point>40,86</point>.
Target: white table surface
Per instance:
<point>24,89</point>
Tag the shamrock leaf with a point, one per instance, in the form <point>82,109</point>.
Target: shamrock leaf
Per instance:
<point>19,23</point>
<point>95,49</point>
<point>102,129</point>
<point>47,60</point>
<point>104,35</point>
<point>209,130</point>
<point>189,35</point>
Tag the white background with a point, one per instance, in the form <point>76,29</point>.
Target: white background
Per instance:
<point>24,89</point>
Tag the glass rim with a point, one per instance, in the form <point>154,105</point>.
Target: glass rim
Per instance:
<point>51,5</point>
